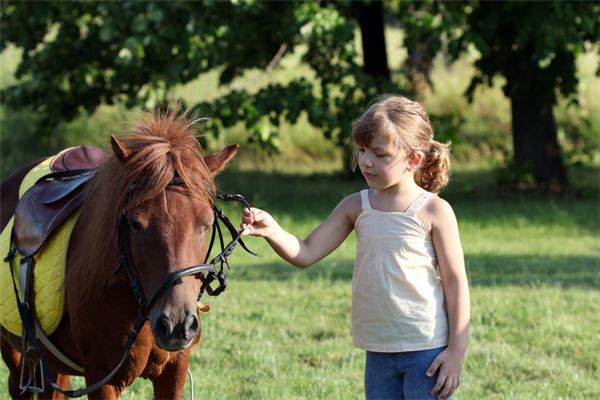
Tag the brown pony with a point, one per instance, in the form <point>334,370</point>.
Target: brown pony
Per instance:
<point>170,227</point>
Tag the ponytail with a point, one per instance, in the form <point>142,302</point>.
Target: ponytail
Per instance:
<point>434,172</point>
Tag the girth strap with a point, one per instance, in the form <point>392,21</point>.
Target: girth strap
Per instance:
<point>27,378</point>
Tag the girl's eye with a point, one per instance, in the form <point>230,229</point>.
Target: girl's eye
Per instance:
<point>361,150</point>
<point>381,155</point>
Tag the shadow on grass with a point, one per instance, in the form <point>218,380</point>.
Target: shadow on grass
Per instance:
<point>304,196</point>
<point>559,271</point>
<point>483,271</point>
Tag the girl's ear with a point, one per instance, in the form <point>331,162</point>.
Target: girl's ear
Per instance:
<point>216,162</point>
<point>416,158</point>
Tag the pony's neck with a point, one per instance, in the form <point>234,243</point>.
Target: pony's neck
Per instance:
<point>93,245</point>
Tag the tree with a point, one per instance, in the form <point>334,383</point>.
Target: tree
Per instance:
<point>534,46</point>
<point>77,55</point>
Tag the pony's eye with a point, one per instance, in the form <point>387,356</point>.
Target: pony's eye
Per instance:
<point>135,225</point>
<point>206,228</point>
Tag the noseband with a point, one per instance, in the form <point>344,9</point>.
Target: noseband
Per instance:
<point>174,278</point>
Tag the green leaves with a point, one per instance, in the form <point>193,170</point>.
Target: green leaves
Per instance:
<point>137,51</point>
<point>78,55</point>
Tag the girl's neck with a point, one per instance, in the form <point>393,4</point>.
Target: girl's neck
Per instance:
<point>404,188</point>
<point>395,198</point>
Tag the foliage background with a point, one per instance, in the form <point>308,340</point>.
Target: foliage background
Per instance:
<point>480,130</point>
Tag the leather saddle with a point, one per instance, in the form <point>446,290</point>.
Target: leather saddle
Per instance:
<point>39,212</point>
<point>53,197</point>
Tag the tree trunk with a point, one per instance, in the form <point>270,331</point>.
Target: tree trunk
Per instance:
<point>369,15</point>
<point>535,141</point>
<point>370,19</point>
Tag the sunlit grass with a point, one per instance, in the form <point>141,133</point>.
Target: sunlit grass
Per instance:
<point>279,332</point>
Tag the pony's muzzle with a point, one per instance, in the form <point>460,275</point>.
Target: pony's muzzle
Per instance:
<point>174,336</point>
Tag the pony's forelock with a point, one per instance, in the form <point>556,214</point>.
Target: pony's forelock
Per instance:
<point>161,146</point>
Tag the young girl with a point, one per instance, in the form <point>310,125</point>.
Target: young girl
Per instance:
<point>410,297</point>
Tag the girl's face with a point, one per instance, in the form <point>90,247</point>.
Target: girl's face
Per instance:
<point>382,164</point>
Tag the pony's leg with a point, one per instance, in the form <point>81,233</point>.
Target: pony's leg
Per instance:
<point>12,359</point>
<point>63,381</point>
<point>106,392</point>
<point>169,384</point>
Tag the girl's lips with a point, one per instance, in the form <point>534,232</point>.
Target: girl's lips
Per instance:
<point>368,175</point>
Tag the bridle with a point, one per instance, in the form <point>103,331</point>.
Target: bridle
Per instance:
<point>213,273</point>
<point>174,278</point>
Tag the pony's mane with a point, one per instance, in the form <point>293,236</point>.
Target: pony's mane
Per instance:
<point>162,146</point>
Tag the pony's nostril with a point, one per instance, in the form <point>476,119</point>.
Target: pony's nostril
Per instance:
<point>164,328</point>
<point>190,328</point>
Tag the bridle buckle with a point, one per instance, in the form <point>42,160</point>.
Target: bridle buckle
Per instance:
<point>220,277</point>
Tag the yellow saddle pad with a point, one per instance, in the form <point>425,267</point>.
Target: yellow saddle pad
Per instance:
<point>49,271</point>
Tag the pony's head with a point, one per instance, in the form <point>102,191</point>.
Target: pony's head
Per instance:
<point>169,225</point>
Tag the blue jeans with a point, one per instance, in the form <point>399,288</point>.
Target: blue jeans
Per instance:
<point>400,375</point>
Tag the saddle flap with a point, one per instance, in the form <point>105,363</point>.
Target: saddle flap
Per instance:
<point>54,197</point>
<point>58,189</point>
<point>34,221</point>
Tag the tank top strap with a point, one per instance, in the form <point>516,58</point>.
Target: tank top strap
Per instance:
<point>419,202</point>
<point>364,198</point>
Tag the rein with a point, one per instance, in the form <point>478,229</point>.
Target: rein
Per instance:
<point>213,273</point>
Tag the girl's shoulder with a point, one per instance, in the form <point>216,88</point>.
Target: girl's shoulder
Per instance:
<point>351,206</point>
<point>434,211</point>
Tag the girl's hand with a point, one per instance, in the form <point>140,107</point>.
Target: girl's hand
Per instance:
<point>257,222</point>
<point>449,364</point>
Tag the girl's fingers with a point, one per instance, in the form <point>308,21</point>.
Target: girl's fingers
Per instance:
<point>255,214</point>
<point>254,221</point>
<point>439,384</point>
<point>434,367</point>
<point>449,388</point>
<point>247,229</point>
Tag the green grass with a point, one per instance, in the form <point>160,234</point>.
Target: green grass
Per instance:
<point>283,333</point>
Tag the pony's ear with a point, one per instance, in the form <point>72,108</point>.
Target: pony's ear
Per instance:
<point>216,162</point>
<point>119,148</point>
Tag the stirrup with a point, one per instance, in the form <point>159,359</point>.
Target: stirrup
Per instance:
<point>30,386</point>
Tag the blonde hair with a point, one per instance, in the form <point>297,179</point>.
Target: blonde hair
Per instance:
<point>405,124</point>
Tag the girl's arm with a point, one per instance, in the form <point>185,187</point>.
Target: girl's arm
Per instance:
<point>450,257</point>
<point>321,242</point>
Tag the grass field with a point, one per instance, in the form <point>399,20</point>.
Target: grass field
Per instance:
<point>283,333</point>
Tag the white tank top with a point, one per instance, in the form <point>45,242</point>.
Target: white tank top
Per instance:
<point>397,296</point>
